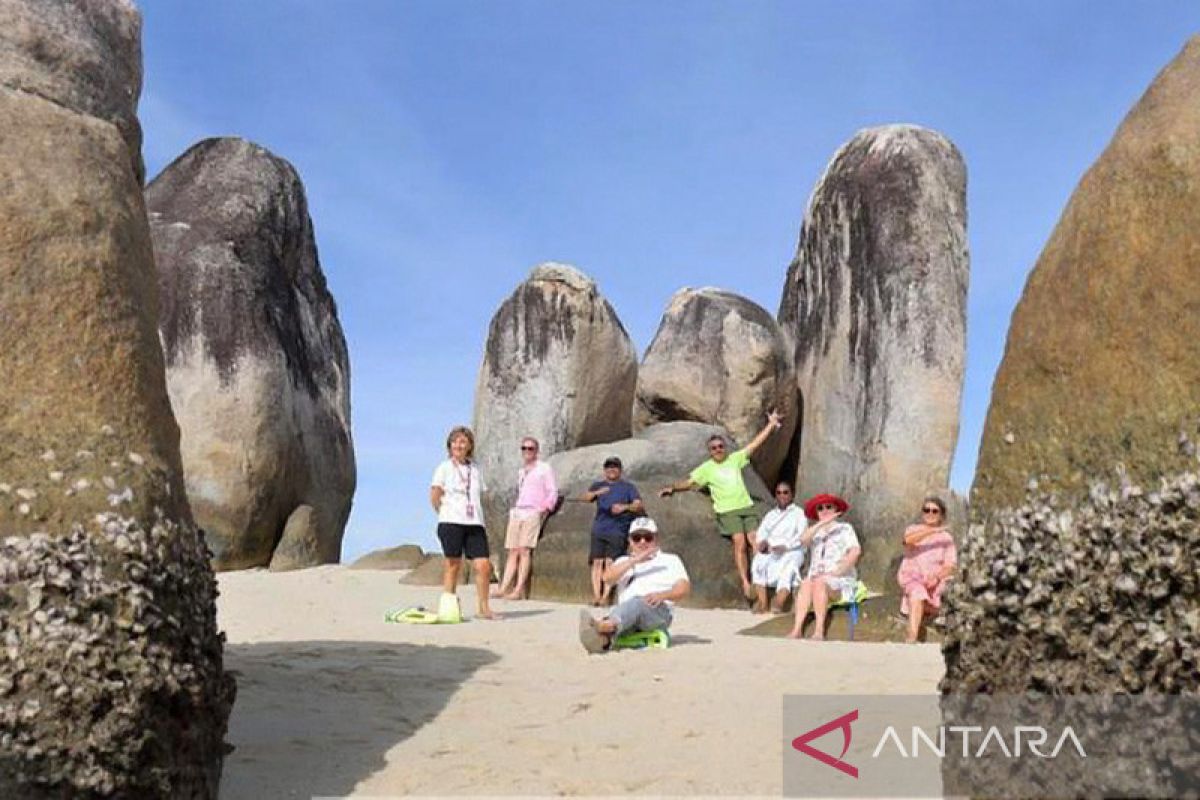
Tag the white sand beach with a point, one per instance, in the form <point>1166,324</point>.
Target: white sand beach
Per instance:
<point>334,701</point>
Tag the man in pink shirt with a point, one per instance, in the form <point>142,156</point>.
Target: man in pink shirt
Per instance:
<point>537,495</point>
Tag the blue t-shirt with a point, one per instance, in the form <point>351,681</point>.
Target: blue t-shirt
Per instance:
<point>622,492</point>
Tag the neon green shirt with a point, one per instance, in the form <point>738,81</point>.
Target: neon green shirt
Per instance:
<point>725,482</point>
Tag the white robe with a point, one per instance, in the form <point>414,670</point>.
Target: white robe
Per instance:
<point>781,527</point>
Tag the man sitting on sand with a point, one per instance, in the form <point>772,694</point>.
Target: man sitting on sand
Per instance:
<point>648,581</point>
<point>780,550</point>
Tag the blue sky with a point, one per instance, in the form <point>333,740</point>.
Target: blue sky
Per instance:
<point>449,147</point>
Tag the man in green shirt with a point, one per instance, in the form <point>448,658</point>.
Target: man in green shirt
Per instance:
<point>722,474</point>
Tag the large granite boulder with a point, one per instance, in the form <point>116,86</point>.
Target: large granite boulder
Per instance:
<point>876,303</point>
<point>558,366</point>
<point>654,457</point>
<point>721,359</point>
<point>82,56</point>
<point>1101,364</point>
<point>111,677</point>
<point>257,365</point>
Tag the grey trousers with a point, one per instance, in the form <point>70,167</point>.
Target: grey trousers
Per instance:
<point>635,614</point>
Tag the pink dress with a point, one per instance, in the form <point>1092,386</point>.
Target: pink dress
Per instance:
<point>926,558</point>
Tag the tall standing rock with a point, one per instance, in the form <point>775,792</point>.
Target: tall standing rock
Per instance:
<point>558,366</point>
<point>111,678</point>
<point>257,365</point>
<point>721,359</point>
<point>1102,364</point>
<point>876,302</point>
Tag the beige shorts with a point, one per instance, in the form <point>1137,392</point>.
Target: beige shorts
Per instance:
<point>523,530</point>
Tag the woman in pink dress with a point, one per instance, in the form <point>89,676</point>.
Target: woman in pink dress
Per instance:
<point>929,561</point>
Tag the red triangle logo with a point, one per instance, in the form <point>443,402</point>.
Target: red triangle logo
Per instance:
<point>801,743</point>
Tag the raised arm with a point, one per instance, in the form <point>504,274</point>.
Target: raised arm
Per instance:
<point>774,420</point>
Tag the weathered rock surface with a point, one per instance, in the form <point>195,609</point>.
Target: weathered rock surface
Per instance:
<point>1101,363</point>
<point>721,359</point>
<point>1096,595</point>
<point>85,57</point>
<point>405,556</point>
<point>257,366</point>
<point>558,366</point>
<point>111,677</point>
<point>655,456</point>
<point>876,303</point>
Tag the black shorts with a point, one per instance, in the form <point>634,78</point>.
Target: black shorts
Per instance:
<point>458,539</point>
<point>608,545</point>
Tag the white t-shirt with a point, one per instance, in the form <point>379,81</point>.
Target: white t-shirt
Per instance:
<point>461,486</point>
<point>659,574</point>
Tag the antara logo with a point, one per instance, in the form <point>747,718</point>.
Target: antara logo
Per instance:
<point>801,743</point>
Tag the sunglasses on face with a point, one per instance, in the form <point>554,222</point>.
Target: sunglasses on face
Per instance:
<point>528,447</point>
<point>641,537</point>
<point>782,492</point>
<point>826,507</point>
<point>931,510</point>
<point>712,448</point>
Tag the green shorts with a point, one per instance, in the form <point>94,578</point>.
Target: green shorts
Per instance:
<point>740,520</point>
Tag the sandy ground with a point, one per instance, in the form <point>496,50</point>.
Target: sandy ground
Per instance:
<point>333,701</point>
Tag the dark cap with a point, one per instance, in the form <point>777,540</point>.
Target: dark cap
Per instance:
<point>612,461</point>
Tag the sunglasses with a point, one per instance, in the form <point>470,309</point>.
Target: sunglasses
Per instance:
<point>715,447</point>
<point>641,537</point>
<point>528,447</point>
<point>827,507</point>
<point>783,492</point>
<point>931,510</point>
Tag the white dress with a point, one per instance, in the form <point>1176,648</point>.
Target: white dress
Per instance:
<point>828,547</point>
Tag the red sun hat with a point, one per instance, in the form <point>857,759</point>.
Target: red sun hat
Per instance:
<point>810,507</point>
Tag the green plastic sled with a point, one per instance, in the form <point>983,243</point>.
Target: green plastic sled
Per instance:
<point>638,640</point>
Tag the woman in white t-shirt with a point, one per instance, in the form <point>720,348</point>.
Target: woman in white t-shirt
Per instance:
<point>832,558</point>
<point>455,491</point>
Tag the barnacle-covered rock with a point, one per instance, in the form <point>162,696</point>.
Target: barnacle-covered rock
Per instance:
<point>1101,598</point>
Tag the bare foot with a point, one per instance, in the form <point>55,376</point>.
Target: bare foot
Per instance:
<point>489,614</point>
<point>496,593</point>
<point>794,634</point>
<point>910,639</point>
<point>759,608</point>
<point>513,595</point>
<point>817,637</point>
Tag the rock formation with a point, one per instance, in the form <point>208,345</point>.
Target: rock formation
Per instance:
<point>80,61</point>
<point>111,677</point>
<point>257,366</point>
<point>1101,364</point>
<point>405,556</point>
<point>558,366</point>
<point>1095,596</point>
<point>721,359</point>
<point>876,303</point>
<point>657,455</point>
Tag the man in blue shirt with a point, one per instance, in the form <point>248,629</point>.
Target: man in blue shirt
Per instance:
<point>617,505</point>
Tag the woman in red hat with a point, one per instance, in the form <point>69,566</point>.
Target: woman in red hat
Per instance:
<point>833,554</point>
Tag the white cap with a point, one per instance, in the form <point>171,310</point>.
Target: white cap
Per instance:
<point>643,524</point>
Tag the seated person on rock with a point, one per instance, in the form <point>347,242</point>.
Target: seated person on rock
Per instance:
<point>649,582</point>
<point>929,562</point>
<point>618,503</point>
<point>832,558</point>
<point>780,551</point>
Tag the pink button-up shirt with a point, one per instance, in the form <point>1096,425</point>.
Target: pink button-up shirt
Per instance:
<point>536,489</point>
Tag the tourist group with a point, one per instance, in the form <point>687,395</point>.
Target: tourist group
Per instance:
<point>805,550</point>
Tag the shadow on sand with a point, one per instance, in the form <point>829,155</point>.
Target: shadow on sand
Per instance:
<point>317,717</point>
